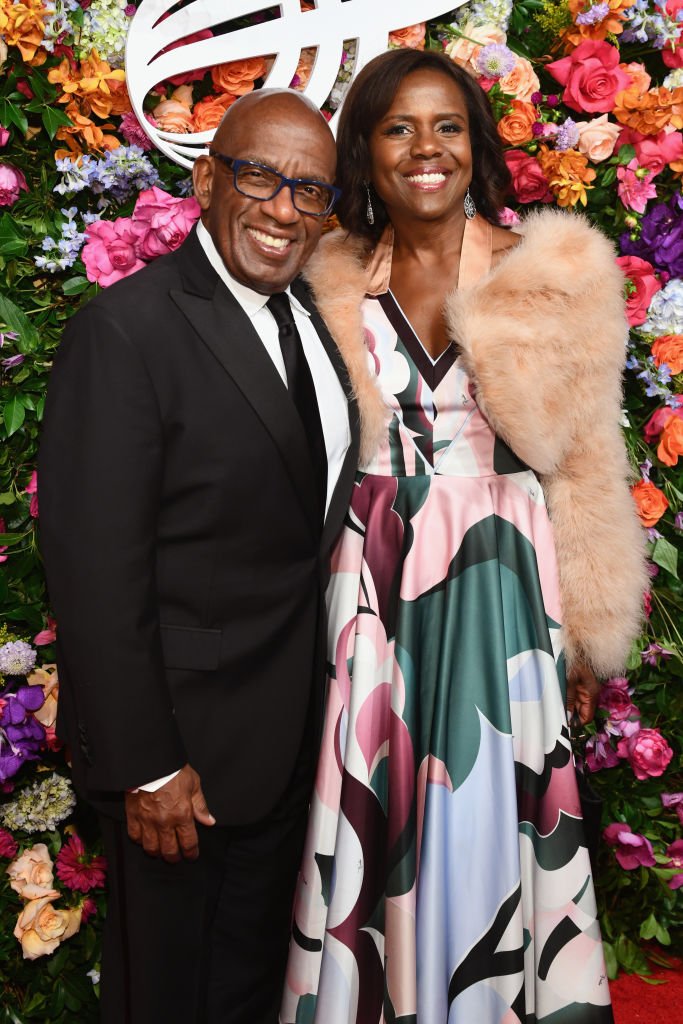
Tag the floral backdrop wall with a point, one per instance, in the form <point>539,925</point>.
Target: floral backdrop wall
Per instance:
<point>589,102</point>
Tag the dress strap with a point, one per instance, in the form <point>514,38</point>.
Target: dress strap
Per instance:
<point>475,258</point>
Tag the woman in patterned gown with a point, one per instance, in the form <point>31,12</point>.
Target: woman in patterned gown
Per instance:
<point>445,878</point>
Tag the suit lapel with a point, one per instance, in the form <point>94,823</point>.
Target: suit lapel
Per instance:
<point>227,331</point>
<point>342,491</point>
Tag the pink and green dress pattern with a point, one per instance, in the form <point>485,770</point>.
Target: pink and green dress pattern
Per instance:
<point>445,877</point>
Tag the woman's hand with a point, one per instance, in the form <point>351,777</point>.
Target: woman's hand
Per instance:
<point>583,690</point>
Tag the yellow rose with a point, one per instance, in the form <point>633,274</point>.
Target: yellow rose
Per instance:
<point>47,678</point>
<point>465,49</point>
<point>31,873</point>
<point>597,138</point>
<point>41,927</point>
<point>522,82</point>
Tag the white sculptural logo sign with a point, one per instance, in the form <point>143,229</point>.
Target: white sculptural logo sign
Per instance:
<point>326,28</point>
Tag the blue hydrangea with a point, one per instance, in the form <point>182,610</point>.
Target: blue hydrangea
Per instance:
<point>61,253</point>
<point>665,315</point>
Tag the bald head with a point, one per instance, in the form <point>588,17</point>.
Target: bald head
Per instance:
<point>264,243</point>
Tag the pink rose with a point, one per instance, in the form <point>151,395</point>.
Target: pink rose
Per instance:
<point>8,844</point>
<point>642,277</point>
<point>653,151</point>
<point>656,423</point>
<point>529,183</point>
<point>109,254</point>
<point>12,181</point>
<point>591,76</point>
<point>615,699</point>
<point>163,222</point>
<point>508,218</point>
<point>597,138</point>
<point>647,751</point>
<point>673,58</point>
<point>4,136</point>
<point>632,849</point>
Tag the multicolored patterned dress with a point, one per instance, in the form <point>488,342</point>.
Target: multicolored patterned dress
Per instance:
<point>445,880</point>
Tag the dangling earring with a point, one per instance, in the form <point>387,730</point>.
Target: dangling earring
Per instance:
<point>369,212</point>
<point>470,206</point>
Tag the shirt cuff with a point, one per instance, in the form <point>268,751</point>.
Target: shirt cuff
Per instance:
<point>151,787</point>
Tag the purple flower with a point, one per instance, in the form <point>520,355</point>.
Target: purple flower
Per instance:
<point>21,735</point>
<point>13,361</point>
<point>17,658</point>
<point>537,129</point>
<point>536,98</point>
<point>600,753</point>
<point>567,135</point>
<point>552,100</point>
<point>653,652</point>
<point>675,852</point>
<point>632,850</point>
<point>133,132</point>
<point>594,15</point>
<point>674,800</point>
<point>615,699</point>
<point>495,60</point>
<point>661,238</point>
<point>678,522</point>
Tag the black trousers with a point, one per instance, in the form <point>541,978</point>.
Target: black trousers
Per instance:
<point>205,941</point>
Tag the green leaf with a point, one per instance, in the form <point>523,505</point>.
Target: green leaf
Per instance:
<point>666,555</point>
<point>649,927</point>
<point>10,113</point>
<point>14,415</point>
<point>626,154</point>
<point>12,241</point>
<point>610,960</point>
<point>75,285</point>
<point>609,176</point>
<point>662,935</point>
<point>7,498</point>
<point>54,119</point>
<point>16,320</point>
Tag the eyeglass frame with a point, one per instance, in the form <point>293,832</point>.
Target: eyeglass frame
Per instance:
<point>234,164</point>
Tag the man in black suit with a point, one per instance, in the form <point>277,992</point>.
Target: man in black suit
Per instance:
<point>191,486</point>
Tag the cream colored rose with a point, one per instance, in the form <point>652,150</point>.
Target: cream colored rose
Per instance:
<point>175,115</point>
<point>183,94</point>
<point>522,82</point>
<point>31,873</point>
<point>41,927</point>
<point>597,138</point>
<point>47,678</point>
<point>638,75</point>
<point>3,53</point>
<point>464,49</point>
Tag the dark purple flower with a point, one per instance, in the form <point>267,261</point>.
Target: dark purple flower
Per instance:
<point>661,238</point>
<point>674,800</point>
<point>675,852</point>
<point>632,849</point>
<point>552,100</point>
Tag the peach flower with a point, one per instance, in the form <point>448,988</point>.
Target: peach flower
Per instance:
<point>208,113</point>
<point>465,48</point>
<point>522,82</point>
<point>671,441</point>
<point>41,927</point>
<point>304,68</point>
<point>651,503</point>
<point>637,72</point>
<point>597,138</point>
<point>668,348</point>
<point>412,37</point>
<point>515,127</point>
<point>175,114</point>
<point>47,678</point>
<point>238,76</point>
<point>31,874</point>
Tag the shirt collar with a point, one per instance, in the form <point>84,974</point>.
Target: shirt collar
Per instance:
<point>251,302</point>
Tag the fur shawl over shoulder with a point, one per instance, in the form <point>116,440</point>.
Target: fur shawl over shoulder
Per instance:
<point>542,338</point>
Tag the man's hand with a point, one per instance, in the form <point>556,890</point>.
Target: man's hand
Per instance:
<point>163,822</point>
<point>583,690</point>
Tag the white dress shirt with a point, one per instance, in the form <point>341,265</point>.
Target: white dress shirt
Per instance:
<point>334,414</point>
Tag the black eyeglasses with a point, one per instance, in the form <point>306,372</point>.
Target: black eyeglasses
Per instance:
<point>257,181</point>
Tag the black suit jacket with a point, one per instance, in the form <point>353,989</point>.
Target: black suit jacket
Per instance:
<point>185,563</point>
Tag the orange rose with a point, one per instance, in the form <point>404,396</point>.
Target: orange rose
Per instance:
<point>651,503</point>
<point>172,116</point>
<point>638,75</point>
<point>671,441</point>
<point>208,113</point>
<point>669,349</point>
<point>238,76</point>
<point>41,927</point>
<point>412,37</point>
<point>515,127</point>
<point>522,82</point>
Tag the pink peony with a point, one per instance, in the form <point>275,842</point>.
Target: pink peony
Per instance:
<point>32,489</point>
<point>647,751</point>
<point>642,277</point>
<point>591,76</point>
<point>615,699</point>
<point>8,844</point>
<point>656,423</point>
<point>675,852</point>
<point>110,254</point>
<point>632,849</point>
<point>76,869</point>
<point>600,753</point>
<point>635,186</point>
<point>653,151</point>
<point>529,183</point>
<point>162,221</point>
<point>12,181</point>
<point>133,132</point>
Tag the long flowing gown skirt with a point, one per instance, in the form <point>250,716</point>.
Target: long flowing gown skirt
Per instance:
<point>445,878</point>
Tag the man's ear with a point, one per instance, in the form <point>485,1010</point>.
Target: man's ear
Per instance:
<point>202,179</point>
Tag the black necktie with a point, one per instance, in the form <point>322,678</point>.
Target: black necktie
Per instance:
<point>302,390</point>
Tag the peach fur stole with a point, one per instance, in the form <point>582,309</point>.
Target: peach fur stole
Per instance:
<point>542,337</point>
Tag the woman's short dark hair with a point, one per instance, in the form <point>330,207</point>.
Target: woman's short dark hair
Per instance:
<point>368,100</point>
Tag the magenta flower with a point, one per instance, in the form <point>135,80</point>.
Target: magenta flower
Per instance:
<point>600,753</point>
<point>635,186</point>
<point>674,800</point>
<point>4,136</point>
<point>675,852</point>
<point>653,652</point>
<point>162,222</point>
<point>76,869</point>
<point>615,699</point>
<point>647,751</point>
<point>632,850</point>
<point>12,181</point>
<point>133,132</point>
<point>110,253</point>
<point>88,909</point>
<point>32,489</point>
<point>8,844</point>
<point>47,635</point>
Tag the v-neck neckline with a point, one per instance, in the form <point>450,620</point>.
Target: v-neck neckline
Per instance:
<point>431,370</point>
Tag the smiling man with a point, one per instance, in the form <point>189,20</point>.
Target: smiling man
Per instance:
<point>199,449</point>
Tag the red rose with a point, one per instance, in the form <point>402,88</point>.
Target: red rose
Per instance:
<point>591,77</point>
<point>673,58</point>
<point>528,180</point>
<point>642,276</point>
